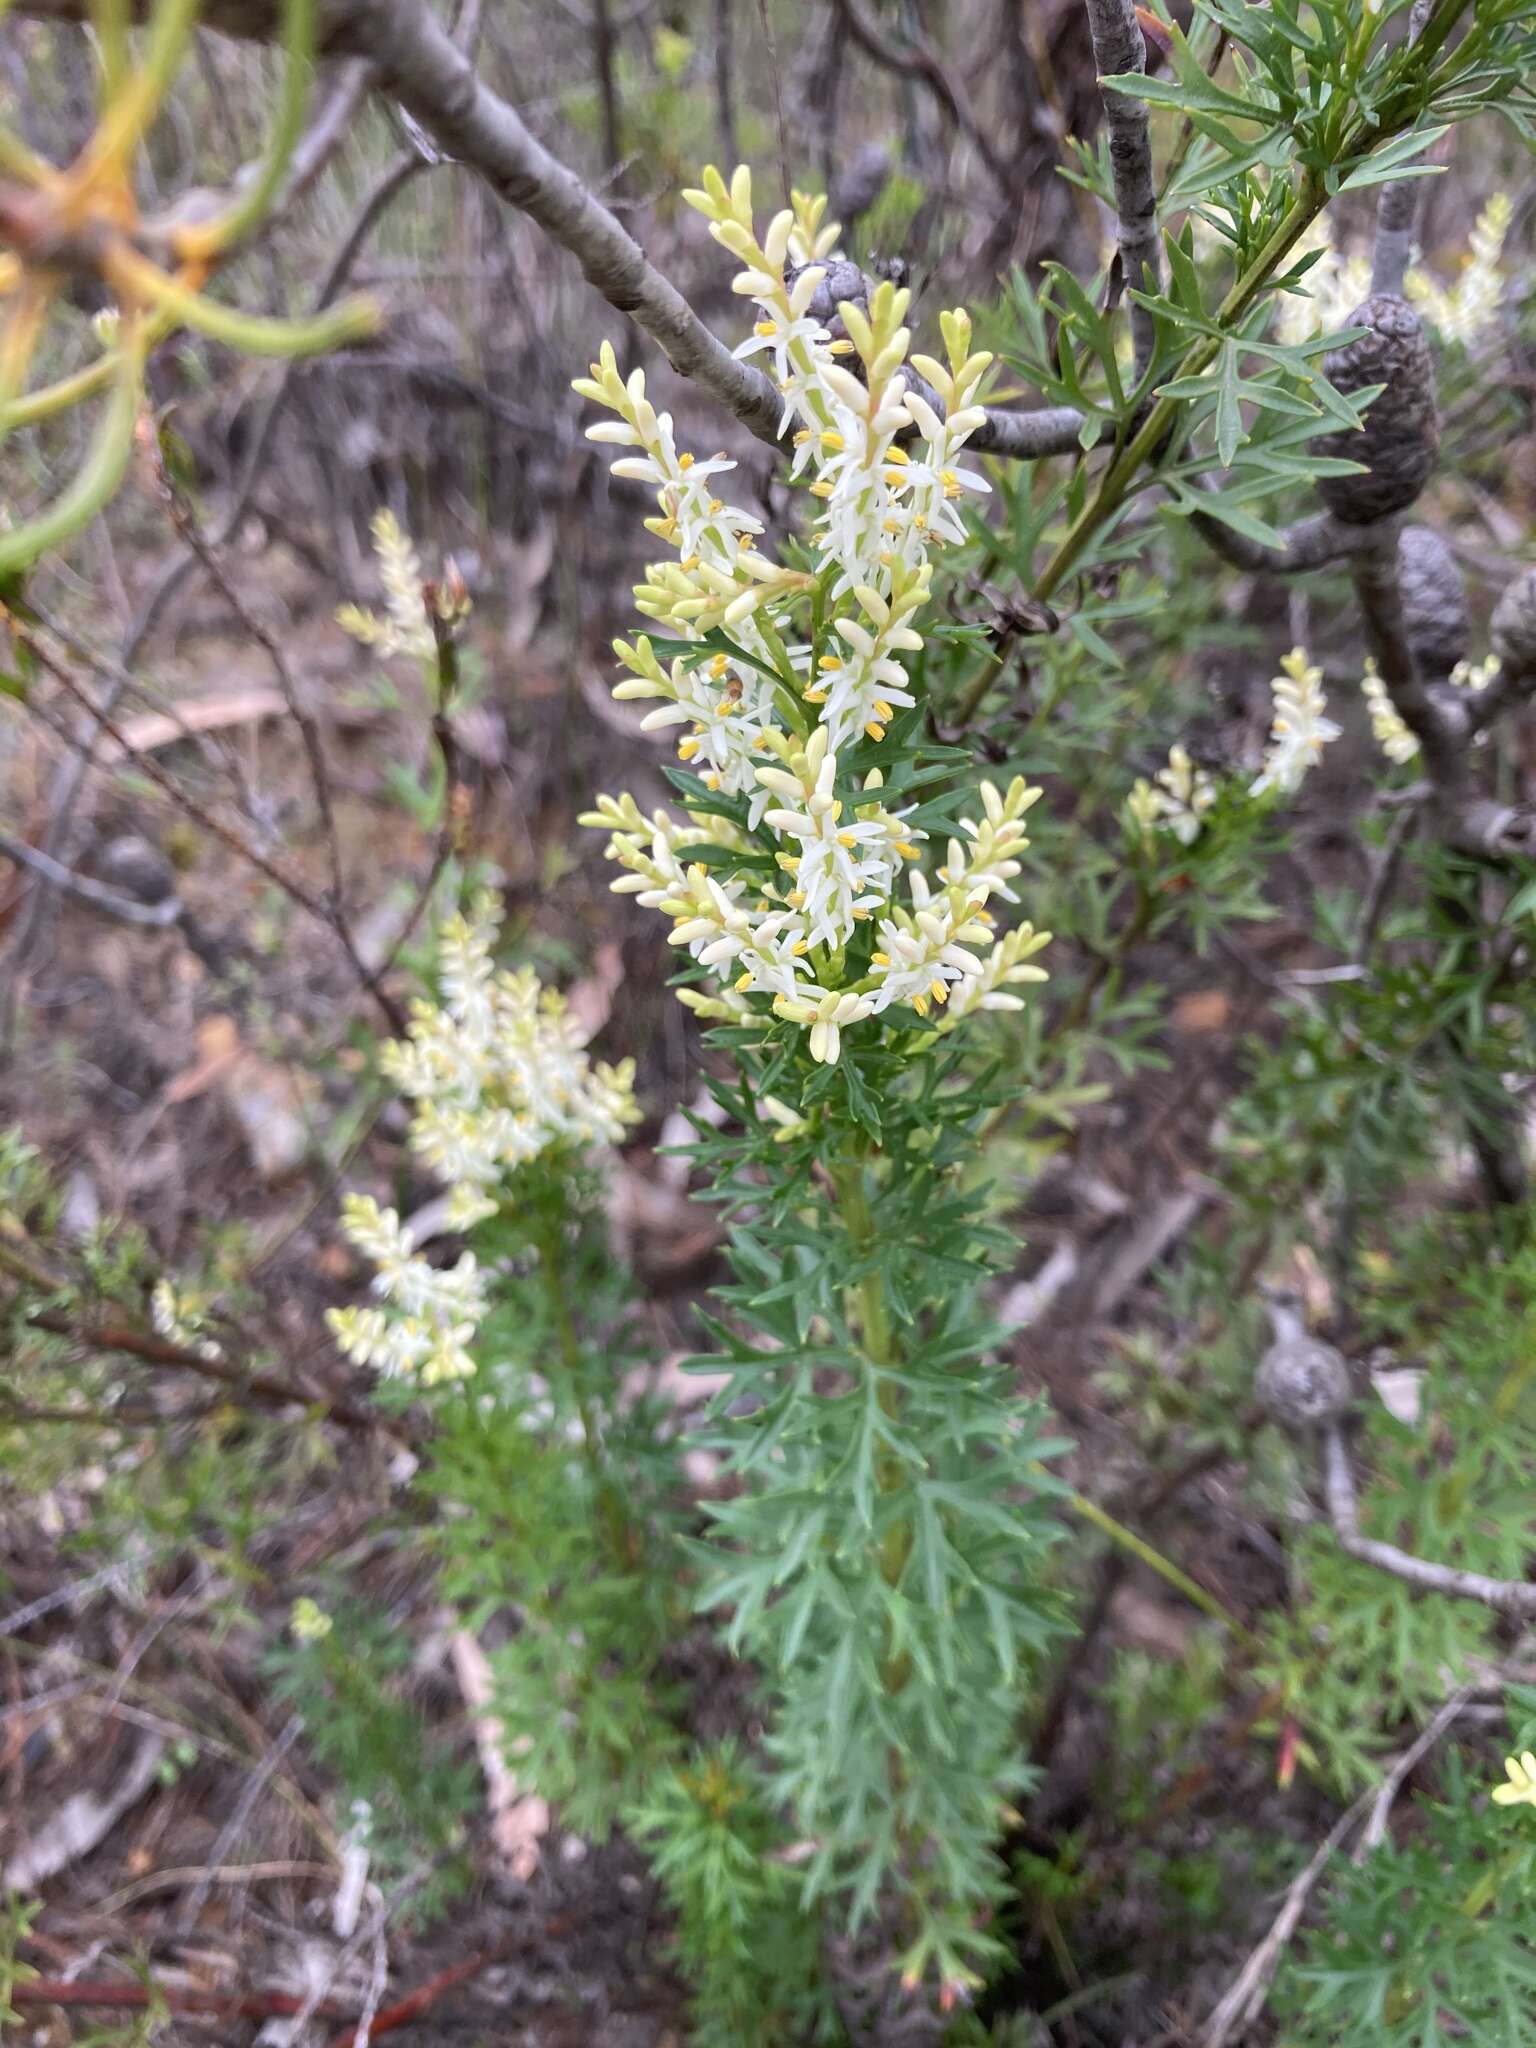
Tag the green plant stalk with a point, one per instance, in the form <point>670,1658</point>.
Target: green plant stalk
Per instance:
<point>1137,1547</point>
<point>1116,481</point>
<point>293,104</point>
<point>616,1524</point>
<point>99,475</point>
<point>136,103</point>
<point>1311,199</point>
<point>109,19</point>
<point>252,334</point>
<point>878,1342</point>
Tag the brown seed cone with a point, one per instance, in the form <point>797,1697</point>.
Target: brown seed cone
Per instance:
<point>1434,602</point>
<point>1513,628</point>
<point>1402,427</point>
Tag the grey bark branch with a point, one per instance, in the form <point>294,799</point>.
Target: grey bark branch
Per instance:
<point>1309,544</point>
<point>1397,209</point>
<point>1508,1596</point>
<point>1118,48</point>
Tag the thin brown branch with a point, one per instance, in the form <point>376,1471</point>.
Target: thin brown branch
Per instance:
<point>187,525</point>
<point>137,1997</point>
<point>414,2003</point>
<point>1244,1999</point>
<point>262,1386</point>
<point>919,59</point>
<point>291,886</point>
<point>416,61</point>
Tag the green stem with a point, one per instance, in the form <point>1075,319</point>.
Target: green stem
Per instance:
<point>878,1342</point>
<point>1137,1546</point>
<point>549,1240</point>
<point>1311,197</point>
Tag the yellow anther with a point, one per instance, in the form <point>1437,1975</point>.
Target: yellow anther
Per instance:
<point>881,959</point>
<point>846,839</point>
<point>821,489</point>
<point>920,1004</point>
<point>766,328</point>
<point>940,992</point>
<point>685,460</point>
<point>876,732</point>
<point>829,662</point>
<point>832,439</point>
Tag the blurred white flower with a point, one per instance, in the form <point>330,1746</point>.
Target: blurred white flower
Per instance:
<point>1299,730</point>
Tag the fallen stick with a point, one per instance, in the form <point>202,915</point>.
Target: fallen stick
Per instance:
<point>408,2008</point>
<point>252,2005</point>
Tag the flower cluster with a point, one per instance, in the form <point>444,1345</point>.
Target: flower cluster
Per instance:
<point>784,677</point>
<point>1467,308</point>
<point>410,603</point>
<point>1476,675</point>
<point>1338,280</point>
<point>1388,726</point>
<point>1299,731</point>
<point>496,1074</point>
<point>1176,802</point>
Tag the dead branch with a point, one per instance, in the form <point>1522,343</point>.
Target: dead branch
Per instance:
<point>1397,208</point>
<point>1507,1596</point>
<point>1244,1999</point>
<point>127,909</point>
<point>291,886</point>
<point>917,58</point>
<point>153,1350</point>
<point>136,1997</point>
<point>416,2002</point>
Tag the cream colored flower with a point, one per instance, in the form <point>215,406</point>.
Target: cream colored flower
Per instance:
<point>1521,1787</point>
<point>1299,731</point>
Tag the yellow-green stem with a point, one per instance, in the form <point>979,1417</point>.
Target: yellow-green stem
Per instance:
<point>551,1249</point>
<point>1127,1540</point>
<point>878,1343</point>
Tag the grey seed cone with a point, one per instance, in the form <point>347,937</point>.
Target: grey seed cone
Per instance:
<point>843,282</point>
<point>1434,602</point>
<point>1513,627</point>
<point>1303,1383</point>
<point>1402,427</point>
